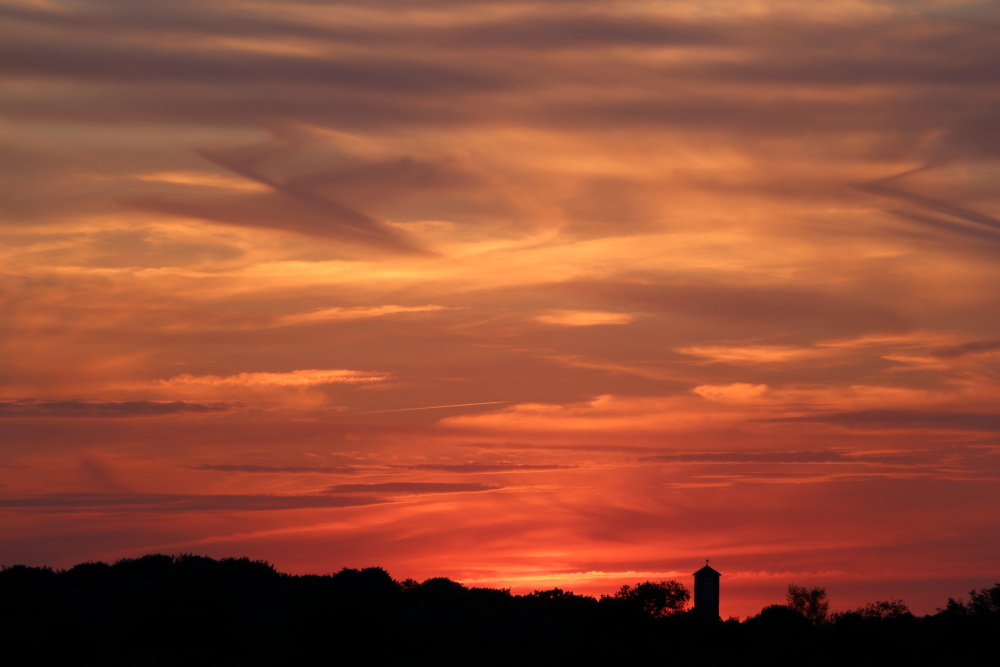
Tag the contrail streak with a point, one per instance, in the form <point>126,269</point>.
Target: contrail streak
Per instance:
<point>429,407</point>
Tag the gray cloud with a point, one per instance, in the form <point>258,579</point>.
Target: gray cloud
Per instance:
<point>341,495</point>
<point>545,30</point>
<point>904,419</point>
<point>295,203</point>
<point>902,55</point>
<point>973,347</point>
<point>948,227</point>
<point>526,446</point>
<point>230,106</point>
<point>131,64</point>
<point>176,16</point>
<point>832,310</point>
<point>532,29</point>
<point>166,502</point>
<point>411,488</point>
<point>906,459</point>
<point>319,469</point>
<point>107,409</point>
<point>484,467</point>
<point>822,456</point>
<point>979,225</point>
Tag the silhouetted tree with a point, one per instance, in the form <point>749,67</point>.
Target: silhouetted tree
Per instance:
<point>885,610</point>
<point>779,615</point>
<point>810,602</point>
<point>656,598</point>
<point>486,596</point>
<point>983,603</point>
<point>439,590</point>
<point>371,582</point>
<point>986,602</point>
<point>557,599</point>
<point>554,594</point>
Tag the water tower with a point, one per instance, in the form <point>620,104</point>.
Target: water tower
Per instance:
<point>706,592</point>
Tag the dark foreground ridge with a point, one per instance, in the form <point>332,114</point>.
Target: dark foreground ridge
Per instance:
<point>193,610</point>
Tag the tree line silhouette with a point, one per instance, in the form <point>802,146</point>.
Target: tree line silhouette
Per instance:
<point>161,609</point>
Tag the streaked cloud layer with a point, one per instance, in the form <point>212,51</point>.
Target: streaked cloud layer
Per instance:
<point>512,292</point>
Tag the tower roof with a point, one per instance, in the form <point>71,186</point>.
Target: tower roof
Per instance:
<point>707,571</point>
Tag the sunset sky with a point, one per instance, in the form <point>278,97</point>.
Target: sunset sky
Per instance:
<point>525,294</point>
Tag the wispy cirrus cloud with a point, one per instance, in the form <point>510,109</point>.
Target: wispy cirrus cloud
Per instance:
<point>735,392</point>
<point>970,348</point>
<point>105,409</point>
<point>302,389</point>
<point>936,459</point>
<point>412,488</point>
<point>169,503</point>
<point>584,318</point>
<point>755,354</point>
<point>606,413</point>
<point>337,496</point>
<point>300,378</point>
<point>276,469</point>
<point>353,313</point>
<point>905,419</point>
<point>199,179</point>
<point>482,467</point>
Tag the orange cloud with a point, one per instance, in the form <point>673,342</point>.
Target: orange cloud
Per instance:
<point>334,314</point>
<point>732,393</point>
<point>303,378</point>
<point>584,318</point>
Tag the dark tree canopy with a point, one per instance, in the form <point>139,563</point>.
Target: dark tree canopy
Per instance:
<point>810,602</point>
<point>166,610</point>
<point>984,603</point>
<point>884,610</point>
<point>656,598</point>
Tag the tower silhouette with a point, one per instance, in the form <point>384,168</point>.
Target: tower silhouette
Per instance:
<point>706,592</point>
